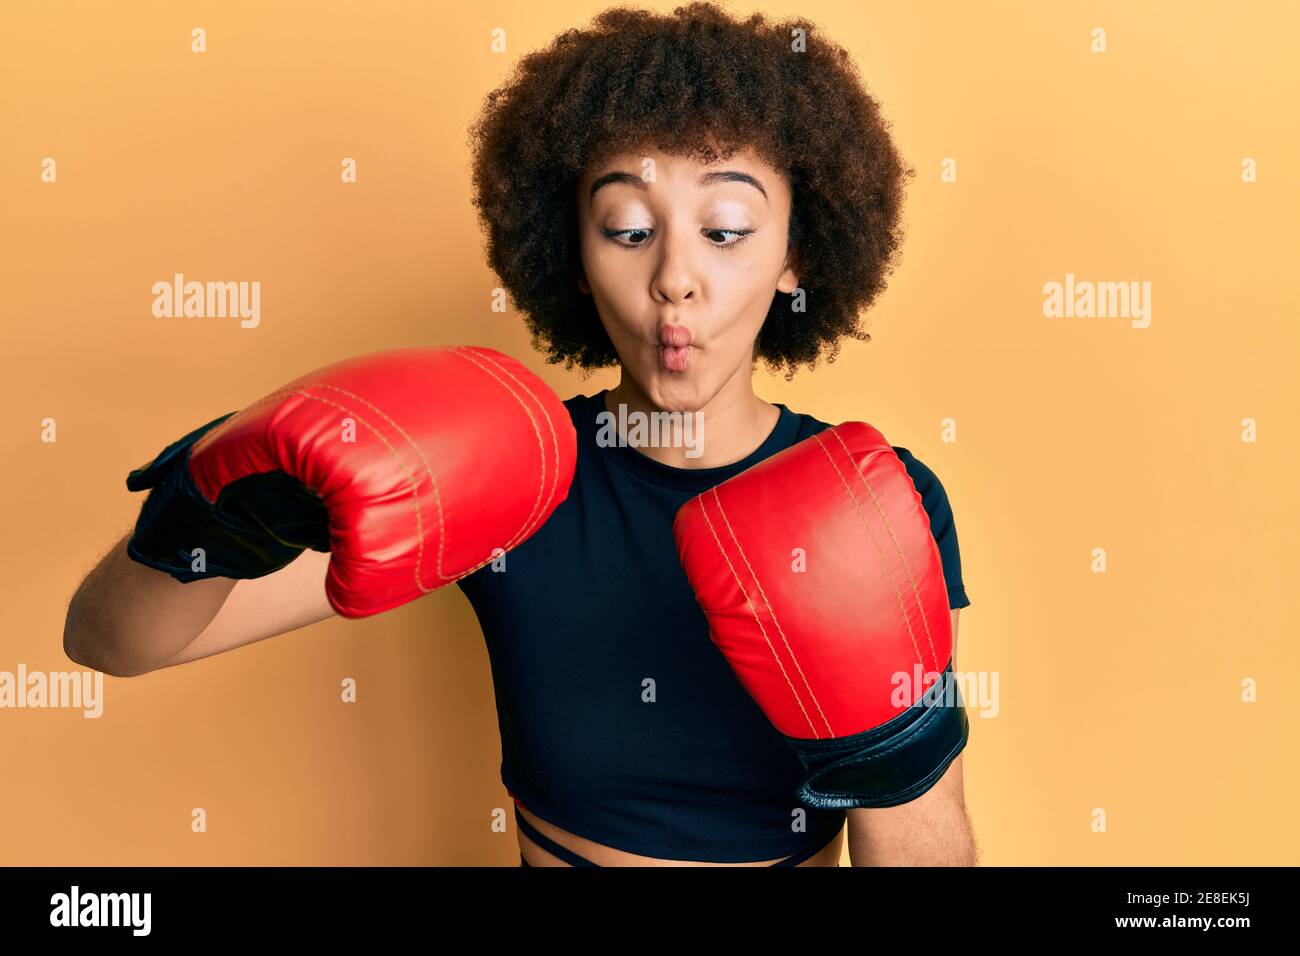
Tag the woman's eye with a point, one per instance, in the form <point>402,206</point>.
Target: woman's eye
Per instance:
<point>741,233</point>
<point>639,237</point>
<point>612,233</point>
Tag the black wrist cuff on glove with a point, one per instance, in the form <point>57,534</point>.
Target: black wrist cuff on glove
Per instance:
<point>890,764</point>
<point>237,539</point>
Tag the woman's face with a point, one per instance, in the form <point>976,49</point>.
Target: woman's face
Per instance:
<point>683,260</point>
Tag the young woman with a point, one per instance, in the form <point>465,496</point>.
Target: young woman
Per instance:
<point>681,197</point>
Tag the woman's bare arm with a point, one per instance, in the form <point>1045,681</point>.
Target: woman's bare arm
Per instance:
<point>932,830</point>
<point>127,619</point>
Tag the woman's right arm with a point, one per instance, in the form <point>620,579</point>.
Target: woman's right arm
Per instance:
<point>128,619</point>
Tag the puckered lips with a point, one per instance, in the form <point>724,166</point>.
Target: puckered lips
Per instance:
<point>674,348</point>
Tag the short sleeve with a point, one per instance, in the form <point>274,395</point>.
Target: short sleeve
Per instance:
<point>942,524</point>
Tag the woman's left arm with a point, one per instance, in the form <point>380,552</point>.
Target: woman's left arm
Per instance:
<point>932,830</point>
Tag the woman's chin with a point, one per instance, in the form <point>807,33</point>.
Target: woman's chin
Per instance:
<point>679,392</point>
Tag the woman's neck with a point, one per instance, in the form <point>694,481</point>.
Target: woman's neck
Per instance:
<point>730,427</point>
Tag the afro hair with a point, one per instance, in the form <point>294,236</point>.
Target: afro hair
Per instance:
<point>696,82</point>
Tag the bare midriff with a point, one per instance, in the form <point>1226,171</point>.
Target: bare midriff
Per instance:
<point>602,855</point>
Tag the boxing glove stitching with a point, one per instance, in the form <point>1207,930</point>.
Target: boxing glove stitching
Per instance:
<point>902,606</point>
<point>538,508</point>
<point>550,423</point>
<point>410,478</point>
<point>916,593</point>
<point>771,610</point>
<point>433,481</point>
<point>419,583</point>
<point>757,620</point>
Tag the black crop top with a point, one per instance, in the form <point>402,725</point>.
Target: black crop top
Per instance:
<point>620,721</point>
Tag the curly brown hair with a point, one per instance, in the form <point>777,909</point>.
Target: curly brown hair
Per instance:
<point>694,83</point>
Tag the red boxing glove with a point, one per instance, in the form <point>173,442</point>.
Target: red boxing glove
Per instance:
<point>410,466</point>
<point>835,654</point>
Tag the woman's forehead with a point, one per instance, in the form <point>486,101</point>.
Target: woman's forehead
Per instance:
<point>744,164</point>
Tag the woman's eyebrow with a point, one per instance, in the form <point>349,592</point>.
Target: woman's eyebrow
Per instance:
<point>708,179</point>
<point>732,176</point>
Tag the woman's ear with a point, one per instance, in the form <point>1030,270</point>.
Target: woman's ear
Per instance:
<point>788,281</point>
<point>582,282</point>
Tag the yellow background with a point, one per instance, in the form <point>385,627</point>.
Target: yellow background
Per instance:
<point>1119,691</point>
